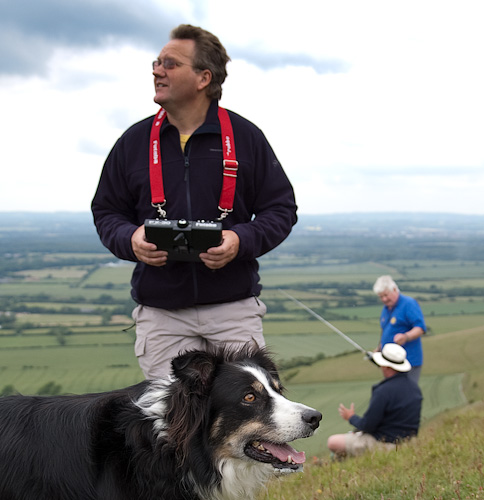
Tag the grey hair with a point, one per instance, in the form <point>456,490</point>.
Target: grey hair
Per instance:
<point>384,284</point>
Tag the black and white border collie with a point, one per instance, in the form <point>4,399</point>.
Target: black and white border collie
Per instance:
<point>217,429</point>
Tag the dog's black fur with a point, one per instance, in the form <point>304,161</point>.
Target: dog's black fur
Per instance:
<point>181,439</point>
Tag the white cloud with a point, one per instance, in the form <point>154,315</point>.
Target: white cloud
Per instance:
<point>395,124</point>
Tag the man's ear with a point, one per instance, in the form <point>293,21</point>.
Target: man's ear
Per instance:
<point>205,79</point>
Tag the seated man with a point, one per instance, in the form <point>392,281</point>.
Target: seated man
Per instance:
<point>393,413</point>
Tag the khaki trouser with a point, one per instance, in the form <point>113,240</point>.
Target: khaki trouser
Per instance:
<point>358,442</point>
<point>162,334</point>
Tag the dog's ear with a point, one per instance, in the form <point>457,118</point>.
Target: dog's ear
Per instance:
<point>195,368</point>
<point>186,409</point>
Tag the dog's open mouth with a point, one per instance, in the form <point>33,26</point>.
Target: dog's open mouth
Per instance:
<point>280,456</point>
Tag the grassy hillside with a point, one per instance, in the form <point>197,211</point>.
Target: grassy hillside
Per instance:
<point>65,302</point>
<point>453,375</point>
<point>445,462</point>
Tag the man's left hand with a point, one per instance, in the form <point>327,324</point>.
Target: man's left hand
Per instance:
<point>218,257</point>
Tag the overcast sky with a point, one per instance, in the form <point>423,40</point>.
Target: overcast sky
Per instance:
<point>370,105</point>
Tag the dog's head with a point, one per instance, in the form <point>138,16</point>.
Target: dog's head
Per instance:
<point>238,398</point>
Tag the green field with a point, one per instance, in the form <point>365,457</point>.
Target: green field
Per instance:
<point>66,319</point>
<point>65,328</point>
<point>58,290</point>
<point>444,463</point>
<point>453,375</point>
<point>92,363</point>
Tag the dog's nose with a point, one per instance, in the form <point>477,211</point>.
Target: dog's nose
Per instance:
<point>312,418</point>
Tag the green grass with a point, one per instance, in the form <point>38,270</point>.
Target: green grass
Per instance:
<point>453,308</point>
<point>453,374</point>
<point>287,346</point>
<point>119,275</point>
<point>445,269</point>
<point>7,336</point>
<point>440,392</point>
<point>36,341</point>
<point>446,324</point>
<point>94,362</point>
<point>92,367</point>
<point>58,306</point>
<point>445,462</point>
<point>59,319</point>
<point>430,309</point>
<point>67,273</point>
<point>338,273</point>
<point>312,326</point>
<point>57,291</point>
<point>98,358</point>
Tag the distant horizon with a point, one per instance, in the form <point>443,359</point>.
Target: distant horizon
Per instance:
<point>389,212</point>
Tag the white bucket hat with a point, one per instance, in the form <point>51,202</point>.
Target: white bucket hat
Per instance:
<point>394,356</point>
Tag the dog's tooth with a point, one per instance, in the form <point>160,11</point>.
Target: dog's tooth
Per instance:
<point>258,445</point>
<point>289,459</point>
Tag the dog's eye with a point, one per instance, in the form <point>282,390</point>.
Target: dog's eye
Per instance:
<point>249,398</point>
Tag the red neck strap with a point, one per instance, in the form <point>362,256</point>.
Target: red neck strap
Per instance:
<point>230,164</point>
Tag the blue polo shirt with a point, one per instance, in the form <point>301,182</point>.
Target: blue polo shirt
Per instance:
<point>403,317</point>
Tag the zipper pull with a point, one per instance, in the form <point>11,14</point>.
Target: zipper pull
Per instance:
<point>187,165</point>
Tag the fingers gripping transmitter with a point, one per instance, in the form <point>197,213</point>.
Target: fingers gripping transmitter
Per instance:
<point>184,240</point>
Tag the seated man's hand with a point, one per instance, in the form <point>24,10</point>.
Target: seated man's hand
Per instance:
<point>346,413</point>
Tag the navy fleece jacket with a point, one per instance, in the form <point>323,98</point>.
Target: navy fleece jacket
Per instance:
<point>263,215</point>
<point>394,410</point>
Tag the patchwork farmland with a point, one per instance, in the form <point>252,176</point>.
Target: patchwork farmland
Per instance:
<point>66,327</point>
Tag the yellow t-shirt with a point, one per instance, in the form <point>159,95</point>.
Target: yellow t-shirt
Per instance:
<point>183,140</point>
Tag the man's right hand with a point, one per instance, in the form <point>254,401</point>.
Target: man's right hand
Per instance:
<point>346,413</point>
<point>145,251</point>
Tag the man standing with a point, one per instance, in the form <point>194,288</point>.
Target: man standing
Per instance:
<point>393,413</point>
<point>186,304</point>
<point>402,322</point>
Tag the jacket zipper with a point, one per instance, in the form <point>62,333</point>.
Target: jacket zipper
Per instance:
<point>187,185</point>
<point>189,207</point>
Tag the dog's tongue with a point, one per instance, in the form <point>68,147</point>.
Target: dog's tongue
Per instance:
<point>282,451</point>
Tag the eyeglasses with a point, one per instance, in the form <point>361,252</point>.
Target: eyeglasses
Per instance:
<point>168,63</point>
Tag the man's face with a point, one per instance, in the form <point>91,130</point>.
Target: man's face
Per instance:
<point>180,84</point>
<point>389,297</point>
<point>387,371</point>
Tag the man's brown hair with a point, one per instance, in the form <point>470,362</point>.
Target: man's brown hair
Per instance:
<point>209,54</point>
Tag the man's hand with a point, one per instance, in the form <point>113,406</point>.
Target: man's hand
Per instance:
<point>346,413</point>
<point>403,338</point>
<point>145,251</point>
<point>218,257</point>
<point>400,338</point>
